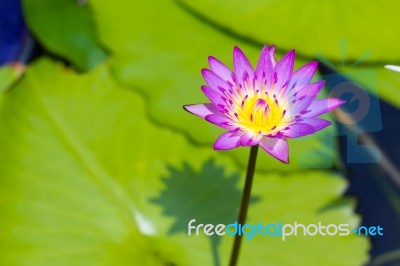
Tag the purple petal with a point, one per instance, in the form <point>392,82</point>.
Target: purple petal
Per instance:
<point>322,106</point>
<point>242,66</point>
<point>264,67</point>
<point>228,140</point>
<point>299,130</point>
<point>277,147</point>
<point>220,69</point>
<point>303,75</point>
<point>214,96</point>
<point>316,123</point>
<point>202,109</point>
<point>284,69</point>
<point>312,89</point>
<point>272,55</point>
<point>214,81</point>
<point>250,139</point>
<point>305,97</point>
<point>307,126</point>
<point>220,120</point>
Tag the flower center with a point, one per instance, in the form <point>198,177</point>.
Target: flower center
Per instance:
<point>260,113</point>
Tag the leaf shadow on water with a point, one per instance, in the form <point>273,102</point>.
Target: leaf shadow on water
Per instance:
<point>209,195</point>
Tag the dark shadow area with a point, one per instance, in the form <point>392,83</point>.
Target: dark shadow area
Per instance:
<point>337,203</point>
<point>375,137</point>
<point>208,195</point>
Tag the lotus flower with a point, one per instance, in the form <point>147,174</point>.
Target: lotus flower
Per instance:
<point>265,106</point>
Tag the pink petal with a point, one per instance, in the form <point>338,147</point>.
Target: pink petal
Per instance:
<point>220,69</point>
<point>250,139</point>
<point>220,120</point>
<point>228,140</point>
<point>316,123</point>
<point>202,109</point>
<point>214,81</point>
<point>303,75</point>
<point>214,96</point>
<point>298,130</point>
<point>242,66</point>
<point>284,69</point>
<point>305,97</point>
<point>306,126</point>
<point>322,106</point>
<point>264,67</point>
<point>277,147</point>
<point>272,55</point>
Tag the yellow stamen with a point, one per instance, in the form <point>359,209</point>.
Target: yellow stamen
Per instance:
<point>260,113</point>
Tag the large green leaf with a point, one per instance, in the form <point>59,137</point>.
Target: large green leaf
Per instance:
<point>10,74</point>
<point>164,60</point>
<point>345,32</point>
<point>385,84</point>
<point>65,28</point>
<point>311,26</point>
<point>86,179</point>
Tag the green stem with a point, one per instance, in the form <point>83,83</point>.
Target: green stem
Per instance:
<point>245,203</point>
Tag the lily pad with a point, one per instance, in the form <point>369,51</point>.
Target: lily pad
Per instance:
<point>311,26</point>
<point>341,31</point>
<point>65,28</point>
<point>386,83</point>
<point>163,61</point>
<point>10,74</point>
<point>82,167</point>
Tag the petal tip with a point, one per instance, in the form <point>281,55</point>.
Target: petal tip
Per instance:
<point>291,54</point>
<point>226,141</point>
<point>201,109</point>
<point>216,148</point>
<point>283,159</point>
<point>314,64</point>
<point>204,71</point>
<point>211,59</point>
<point>341,102</point>
<point>320,83</point>
<point>187,108</point>
<point>237,52</point>
<point>204,88</point>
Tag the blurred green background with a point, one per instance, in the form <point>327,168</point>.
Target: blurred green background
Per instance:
<point>100,165</point>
